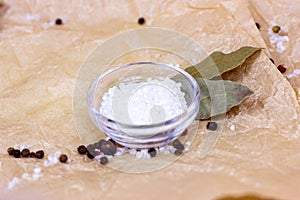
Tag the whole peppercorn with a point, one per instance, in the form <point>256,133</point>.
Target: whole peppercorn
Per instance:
<point>58,21</point>
<point>212,126</point>
<point>257,25</point>
<point>16,153</point>
<point>141,21</point>
<point>281,68</point>
<point>90,156</point>
<point>152,152</point>
<point>178,145</point>
<point>108,148</point>
<point>103,160</point>
<point>25,153</point>
<point>39,154</point>
<point>91,149</point>
<point>82,150</point>
<point>178,152</point>
<point>276,29</point>
<point>10,150</point>
<point>32,155</point>
<point>63,158</point>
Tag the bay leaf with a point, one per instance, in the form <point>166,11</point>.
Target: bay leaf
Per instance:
<point>219,96</point>
<point>218,63</point>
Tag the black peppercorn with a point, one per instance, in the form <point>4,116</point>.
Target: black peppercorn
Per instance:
<point>281,68</point>
<point>212,126</point>
<point>91,149</point>
<point>16,153</point>
<point>178,152</point>
<point>272,60</point>
<point>82,149</point>
<point>58,21</point>
<point>63,158</point>
<point>152,152</point>
<point>178,145</point>
<point>257,25</point>
<point>103,160</point>
<point>108,148</point>
<point>32,155</point>
<point>39,154</point>
<point>25,153</point>
<point>90,156</point>
<point>141,21</point>
<point>10,151</point>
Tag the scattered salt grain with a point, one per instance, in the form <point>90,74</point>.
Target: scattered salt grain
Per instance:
<point>232,127</point>
<point>188,143</point>
<point>36,176</point>
<point>149,22</point>
<point>25,176</point>
<point>295,73</point>
<point>197,49</point>
<point>12,183</point>
<point>52,159</point>
<point>0,164</point>
<point>30,17</point>
<point>37,170</point>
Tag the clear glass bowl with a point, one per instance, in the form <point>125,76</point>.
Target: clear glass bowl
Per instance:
<point>148,135</point>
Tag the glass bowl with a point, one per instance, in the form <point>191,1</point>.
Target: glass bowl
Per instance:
<point>148,135</point>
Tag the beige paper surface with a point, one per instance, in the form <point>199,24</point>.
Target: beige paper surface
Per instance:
<point>38,73</point>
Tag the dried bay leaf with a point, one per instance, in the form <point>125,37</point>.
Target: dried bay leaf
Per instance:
<point>219,96</point>
<point>218,63</point>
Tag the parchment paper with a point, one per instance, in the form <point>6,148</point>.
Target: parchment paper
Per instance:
<point>38,73</point>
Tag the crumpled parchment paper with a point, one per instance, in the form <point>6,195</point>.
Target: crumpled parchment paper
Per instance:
<point>39,65</point>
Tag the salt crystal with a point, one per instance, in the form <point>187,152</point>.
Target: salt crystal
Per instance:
<point>188,143</point>
<point>197,49</point>
<point>25,175</point>
<point>12,183</point>
<point>36,176</point>
<point>149,22</point>
<point>57,154</point>
<point>295,73</point>
<point>37,170</point>
<point>232,127</point>
<point>30,17</point>
<point>0,164</point>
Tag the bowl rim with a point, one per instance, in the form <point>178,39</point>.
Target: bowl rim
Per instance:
<point>192,81</point>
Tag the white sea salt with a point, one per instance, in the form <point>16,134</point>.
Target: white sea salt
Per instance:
<point>232,127</point>
<point>37,170</point>
<point>13,183</point>
<point>295,73</point>
<point>52,159</point>
<point>152,101</point>
<point>31,17</point>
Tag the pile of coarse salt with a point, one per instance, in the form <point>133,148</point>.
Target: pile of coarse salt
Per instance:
<point>279,40</point>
